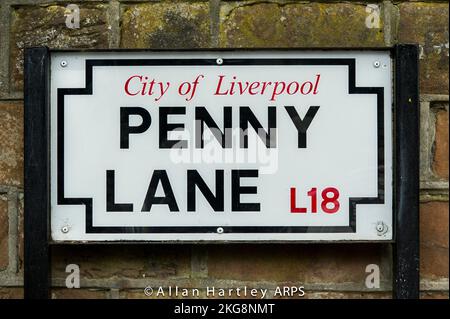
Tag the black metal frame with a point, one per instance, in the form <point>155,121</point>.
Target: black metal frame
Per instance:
<point>406,171</point>
<point>37,173</point>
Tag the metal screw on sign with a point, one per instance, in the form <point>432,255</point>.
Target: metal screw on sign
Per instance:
<point>63,63</point>
<point>220,230</point>
<point>219,61</point>
<point>381,228</point>
<point>376,64</point>
<point>65,229</point>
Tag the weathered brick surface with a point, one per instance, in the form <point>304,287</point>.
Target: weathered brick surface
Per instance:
<point>166,25</point>
<point>427,25</point>
<point>11,144</point>
<point>262,24</point>
<point>74,293</point>
<point>11,293</point>
<point>293,263</point>
<point>434,251</point>
<point>4,226</point>
<point>440,160</point>
<point>192,24</point>
<point>20,233</point>
<point>139,294</point>
<point>434,295</point>
<point>347,295</point>
<point>122,261</point>
<point>46,25</point>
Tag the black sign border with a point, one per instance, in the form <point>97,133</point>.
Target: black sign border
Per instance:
<point>88,90</point>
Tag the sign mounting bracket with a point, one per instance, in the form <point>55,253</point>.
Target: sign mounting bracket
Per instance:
<point>37,251</point>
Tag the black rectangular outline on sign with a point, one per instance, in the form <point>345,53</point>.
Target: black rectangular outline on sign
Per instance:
<point>353,201</point>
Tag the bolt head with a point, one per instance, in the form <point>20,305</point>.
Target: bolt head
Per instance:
<point>219,61</point>
<point>381,228</point>
<point>63,63</point>
<point>377,64</point>
<point>220,230</point>
<point>65,229</point>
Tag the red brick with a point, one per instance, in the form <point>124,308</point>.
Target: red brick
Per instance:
<point>294,263</point>
<point>11,293</point>
<point>440,161</point>
<point>20,237</point>
<point>4,226</point>
<point>166,25</point>
<point>427,25</point>
<point>123,261</point>
<point>434,295</point>
<point>434,255</point>
<point>74,293</point>
<point>263,24</point>
<point>11,144</point>
<point>348,295</point>
<point>46,25</point>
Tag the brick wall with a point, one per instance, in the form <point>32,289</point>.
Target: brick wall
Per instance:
<point>327,271</point>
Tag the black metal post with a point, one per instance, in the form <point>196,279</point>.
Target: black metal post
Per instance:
<point>406,247</point>
<point>37,173</point>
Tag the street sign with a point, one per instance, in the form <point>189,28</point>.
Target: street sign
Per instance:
<point>221,146</point>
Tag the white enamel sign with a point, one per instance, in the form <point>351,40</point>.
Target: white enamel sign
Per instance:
<point>221,146</point>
